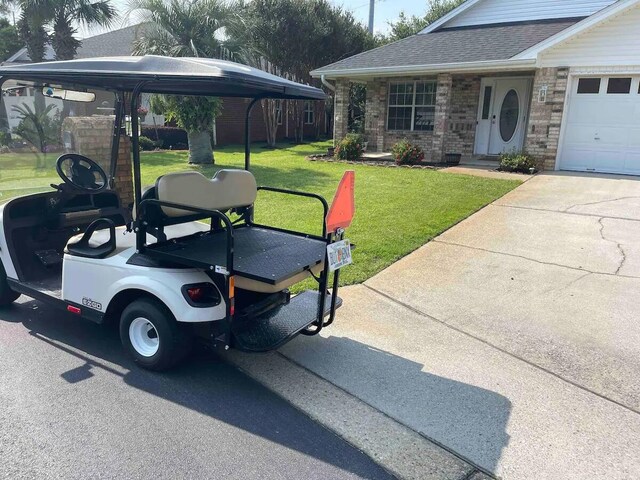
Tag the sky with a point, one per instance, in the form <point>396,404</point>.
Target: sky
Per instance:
<point>385,10</point>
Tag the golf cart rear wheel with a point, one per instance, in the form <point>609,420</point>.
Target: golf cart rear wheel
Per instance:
<point>7,295</point>
<point>151,335</point>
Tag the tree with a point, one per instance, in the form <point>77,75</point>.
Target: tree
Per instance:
<point>192,28</point>
<point>9,41</point>
<point>38,128</point>
<point>407,26</point>
<point>196,116</point>
<point>66,14</point>
<point>299,36</point>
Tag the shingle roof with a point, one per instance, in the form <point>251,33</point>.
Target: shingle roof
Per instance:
<point>111,44</point>
<point>456,45</point>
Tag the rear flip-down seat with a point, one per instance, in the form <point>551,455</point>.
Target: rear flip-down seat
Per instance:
<point>264,260</point>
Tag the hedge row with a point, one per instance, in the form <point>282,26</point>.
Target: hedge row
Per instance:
<point>169,137</point>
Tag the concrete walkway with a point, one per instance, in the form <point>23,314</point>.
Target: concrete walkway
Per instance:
<point>513,339</point>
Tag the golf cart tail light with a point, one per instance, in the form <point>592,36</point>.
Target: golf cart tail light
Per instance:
<point>201,295</point>
<point>195,293</point>
<point>232,307</point>
<point>72,309</point>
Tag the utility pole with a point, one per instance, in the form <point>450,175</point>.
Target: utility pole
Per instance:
<point>372,4</point>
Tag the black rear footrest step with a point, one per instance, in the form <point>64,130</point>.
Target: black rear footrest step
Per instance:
<point>276,327</point>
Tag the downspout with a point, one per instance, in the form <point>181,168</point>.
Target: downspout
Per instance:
<point>327,84</point>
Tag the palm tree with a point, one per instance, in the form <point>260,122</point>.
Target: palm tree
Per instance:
<point>191,28</point>
<point>31,27</point>
<point>61,17</point>
<point>65,15</point>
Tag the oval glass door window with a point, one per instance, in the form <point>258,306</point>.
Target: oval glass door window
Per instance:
<point>509,114</point>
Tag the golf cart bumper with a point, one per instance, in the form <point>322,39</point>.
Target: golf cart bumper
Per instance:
<point>279,325</point>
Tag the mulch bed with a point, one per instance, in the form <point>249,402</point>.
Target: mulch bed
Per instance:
<point>373,163</point>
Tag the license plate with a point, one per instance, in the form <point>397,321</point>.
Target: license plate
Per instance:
<point>339,255</point>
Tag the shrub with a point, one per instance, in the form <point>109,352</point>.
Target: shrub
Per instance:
<point>350,147</point>
<point>167,137</point>
<point>5,138</point>
<point>180,146</point>
<point>517,162</point>
<point>406,153</point>
<point>146,143</point>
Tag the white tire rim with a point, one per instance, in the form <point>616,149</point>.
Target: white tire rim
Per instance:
<point>144,337</point>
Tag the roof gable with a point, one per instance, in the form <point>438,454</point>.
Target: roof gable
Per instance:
<point>484,12</point>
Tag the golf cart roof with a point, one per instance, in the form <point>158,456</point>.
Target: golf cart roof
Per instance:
<point>180,76</point>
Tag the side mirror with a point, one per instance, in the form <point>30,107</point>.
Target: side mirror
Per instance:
<point>69,95</point>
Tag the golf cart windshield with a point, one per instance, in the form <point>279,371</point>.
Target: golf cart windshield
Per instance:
<point>40,123</point>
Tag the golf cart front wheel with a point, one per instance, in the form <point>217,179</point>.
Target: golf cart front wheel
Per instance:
<point>151,335</point>
<point>7,295</point>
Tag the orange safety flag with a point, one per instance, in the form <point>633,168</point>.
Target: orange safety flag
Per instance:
<point>343,206</point>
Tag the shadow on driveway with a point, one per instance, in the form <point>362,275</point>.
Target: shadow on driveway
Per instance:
<point>467,420</point>
<point>203,384</point>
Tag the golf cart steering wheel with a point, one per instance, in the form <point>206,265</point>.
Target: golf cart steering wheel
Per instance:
<point>81,173</point>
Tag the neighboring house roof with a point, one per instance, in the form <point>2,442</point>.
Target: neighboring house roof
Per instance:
<point>117,43</point>
<point>110,44</point>
<point>455,45</point>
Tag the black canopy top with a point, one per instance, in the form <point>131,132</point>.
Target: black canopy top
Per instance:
<point>180,76</point>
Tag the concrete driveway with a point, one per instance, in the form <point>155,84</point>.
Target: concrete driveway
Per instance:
<point>513,339</point>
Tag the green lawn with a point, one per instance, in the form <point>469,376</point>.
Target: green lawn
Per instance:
<point>397,209</point>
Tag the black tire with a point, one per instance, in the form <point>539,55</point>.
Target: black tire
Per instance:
<point>7,296</point>
<point>174,340</point>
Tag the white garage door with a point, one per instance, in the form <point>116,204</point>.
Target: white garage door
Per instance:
<point>602,129</point>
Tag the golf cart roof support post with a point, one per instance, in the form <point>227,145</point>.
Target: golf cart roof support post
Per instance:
<point>141,232</point>
<point>247,133</point>
<point>115,141</point>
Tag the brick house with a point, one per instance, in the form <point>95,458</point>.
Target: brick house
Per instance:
<point>229,124</point>
<point>559,79</point>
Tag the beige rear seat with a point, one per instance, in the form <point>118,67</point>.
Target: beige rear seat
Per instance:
<point>227,189</point>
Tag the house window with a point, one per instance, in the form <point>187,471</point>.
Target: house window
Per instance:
<point>309,113</point>
<point>619,85</point>
<point>486,102</point>
<point>279,112</point>
<point>412,106</point>
<point>589,85</point>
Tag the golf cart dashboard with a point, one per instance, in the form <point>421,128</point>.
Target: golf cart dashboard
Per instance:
<point>58,210</point>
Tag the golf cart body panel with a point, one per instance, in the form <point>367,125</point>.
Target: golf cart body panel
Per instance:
<point>94,283</point>
<point>230,278</point>
<point>5,257</point>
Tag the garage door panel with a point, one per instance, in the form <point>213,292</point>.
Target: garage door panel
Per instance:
<point>609,160</point>
<point>632,162</point>
<point>613,113</point>
<point>610,136</point>
<point>579,134</point>
<point>635,117</point>
<point>601,131</point>
<point>577,159</point>
<point>634,137</point>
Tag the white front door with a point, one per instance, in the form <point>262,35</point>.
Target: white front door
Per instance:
<point>502,115</point>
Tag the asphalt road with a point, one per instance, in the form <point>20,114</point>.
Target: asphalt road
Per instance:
<point>73,406</point>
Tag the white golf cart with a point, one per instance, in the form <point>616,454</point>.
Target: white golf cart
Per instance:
<point>154,266</point>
